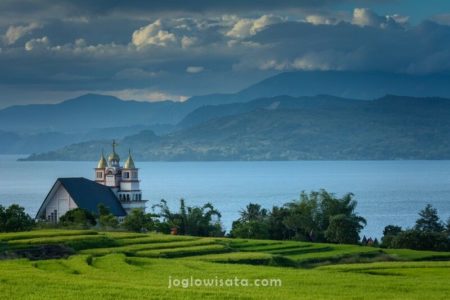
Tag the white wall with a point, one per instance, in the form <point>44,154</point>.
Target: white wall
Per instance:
<point>61,201</point>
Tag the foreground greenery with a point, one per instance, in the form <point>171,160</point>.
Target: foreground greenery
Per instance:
<point>122,265</point>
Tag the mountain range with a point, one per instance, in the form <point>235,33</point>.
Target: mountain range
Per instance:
<point>89,118</point>
<point>294,128</point>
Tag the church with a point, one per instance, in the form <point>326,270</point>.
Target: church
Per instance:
<point>115,186</point>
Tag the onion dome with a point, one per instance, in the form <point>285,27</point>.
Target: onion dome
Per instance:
<point>102,162</point>
<point>114,156</point>
<point>129,163</point>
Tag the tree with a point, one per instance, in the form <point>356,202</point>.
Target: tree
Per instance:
<point>105,218</point>
<point>198,221</point>
<point>14,218</point>
<point>429,220</point>
<point>277,229</point>
<point>311,217</point>
<point>253,223</point>
<point>137,220</point>
<point>389,233</point>
<point>421,240</point>
<point>78,217</point>
<point>344,229</point>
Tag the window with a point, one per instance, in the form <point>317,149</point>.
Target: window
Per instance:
<point>99,175</point>
<point>134,174</point>
<point>126,175</point>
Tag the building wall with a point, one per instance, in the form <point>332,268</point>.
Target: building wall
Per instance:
<point>61,202</point>
<point>129,185</point>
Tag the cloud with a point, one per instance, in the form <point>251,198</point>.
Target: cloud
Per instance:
<point>194,69</point>
<point>366,17</point>
<point>247,27</point>
<point>145,95</point>
<point>14,33</point>
<point>37,44</point>
<point>153,35</point>
<point>321,20</point>
<point>155,57</point>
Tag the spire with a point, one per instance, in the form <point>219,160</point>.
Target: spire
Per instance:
<point>114,156</point>
<point>129,163</point>
<point>102,162</point>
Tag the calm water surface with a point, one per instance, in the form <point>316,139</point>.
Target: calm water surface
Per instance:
<point>388,192</point>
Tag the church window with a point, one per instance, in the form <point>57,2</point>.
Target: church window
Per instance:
<point>128,197</point>
<point>134,174</point>
<point>126,175</point>
<point>99,175</point>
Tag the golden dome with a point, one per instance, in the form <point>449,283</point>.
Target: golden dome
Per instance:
<point>114,156</point>
<point>102,162</point>
<point>129,163</point>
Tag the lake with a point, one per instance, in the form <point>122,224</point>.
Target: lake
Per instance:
<point>388,192</point>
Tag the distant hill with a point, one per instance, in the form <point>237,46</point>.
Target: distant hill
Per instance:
<point>90,111</point>
<point>357,85</point>
<point>94,111</point>
<point>287,128</point>
<point>44,127</point>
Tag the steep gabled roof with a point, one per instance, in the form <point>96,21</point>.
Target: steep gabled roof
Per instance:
<point>88,194</point>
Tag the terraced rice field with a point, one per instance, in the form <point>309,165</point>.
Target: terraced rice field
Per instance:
<point>118,265</point>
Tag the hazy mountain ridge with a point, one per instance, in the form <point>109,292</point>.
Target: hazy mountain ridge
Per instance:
<point>40,128</point>
<point>286,128</point>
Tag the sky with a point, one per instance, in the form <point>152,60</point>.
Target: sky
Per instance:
<point>173,49</point>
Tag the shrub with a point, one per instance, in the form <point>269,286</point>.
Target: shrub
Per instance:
<point>138,221</point>
<point>14,218</point>
<point>78,217</point>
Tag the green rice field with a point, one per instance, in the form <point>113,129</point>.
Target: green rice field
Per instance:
<point>119,265</point>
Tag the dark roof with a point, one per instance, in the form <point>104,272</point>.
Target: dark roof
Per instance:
<point>88,194</point>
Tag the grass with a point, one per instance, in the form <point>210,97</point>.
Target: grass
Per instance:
<point>111,265</point>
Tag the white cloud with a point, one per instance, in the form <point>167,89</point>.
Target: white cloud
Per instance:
<point>37,44</point>
<point>14,33</point>
<point>188,41</point>
<point>366,17</point>
<point>321,20</point>
<point>248,27</point>
<point>153,35</point>
<point>195,69</point>
<point>146,95</point>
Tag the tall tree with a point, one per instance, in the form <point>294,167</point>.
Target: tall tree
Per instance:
<point>429,220</point>
<point>14,219</point>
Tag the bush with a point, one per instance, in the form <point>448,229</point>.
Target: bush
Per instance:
<point>78,218</point>
<point>389,233</point>
<point>105,218</point>
<point>421,240</point>
<point>14,218</point>
<point>429,233</point>
<point>138,221</point>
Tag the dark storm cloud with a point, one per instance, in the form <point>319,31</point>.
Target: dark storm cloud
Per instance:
<point>144,51</point>
<point>104,7</point>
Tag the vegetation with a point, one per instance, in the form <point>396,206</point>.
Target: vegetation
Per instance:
<point>429,233</point>
<point>197,221</point>
<point>303,128</point>
<point>138,221</point>
<point>14,219</point>
<point>123,265</point>
<point>78,218</point>
<point>316,217</point>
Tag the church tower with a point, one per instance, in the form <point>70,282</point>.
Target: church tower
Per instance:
<point>123,181</point>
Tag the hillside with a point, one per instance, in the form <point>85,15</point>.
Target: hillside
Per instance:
<point>286,128</point>
<point>90,111</point>
<point>90,265</point>
<point>358,85</point>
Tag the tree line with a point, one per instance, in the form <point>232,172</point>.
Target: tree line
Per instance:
<point>318,216</point>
